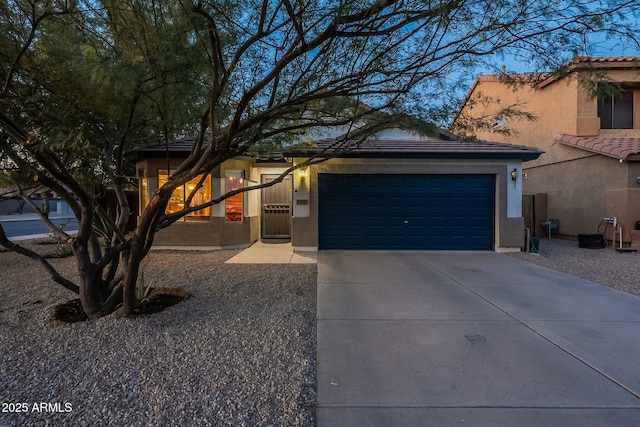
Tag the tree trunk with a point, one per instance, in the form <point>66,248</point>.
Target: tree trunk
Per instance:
<point>90,282</point>
<point>130,280</point>
<point>89,297</point>
<point>94,294</point>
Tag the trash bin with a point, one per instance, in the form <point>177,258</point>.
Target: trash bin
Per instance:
<point>591,241</point>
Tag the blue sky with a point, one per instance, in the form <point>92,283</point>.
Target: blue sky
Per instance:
<point>597,45</point>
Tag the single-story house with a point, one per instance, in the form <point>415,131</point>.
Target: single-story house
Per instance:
<point>397,190</point>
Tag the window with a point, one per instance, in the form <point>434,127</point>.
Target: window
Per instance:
<point>180,195</point>
<point>144,191</point>
<point>143,186</point>
<point>233,180</point>
<point>616,111</point>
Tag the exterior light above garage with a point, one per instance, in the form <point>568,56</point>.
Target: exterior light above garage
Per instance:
<point>514,177</point>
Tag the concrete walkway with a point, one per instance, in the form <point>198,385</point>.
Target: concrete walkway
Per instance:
<point>471,338</point>
<point>273,253</point>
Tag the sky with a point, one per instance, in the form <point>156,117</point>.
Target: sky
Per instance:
<point>597,45</point>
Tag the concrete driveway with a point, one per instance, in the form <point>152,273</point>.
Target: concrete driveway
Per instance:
<point>412,338</point>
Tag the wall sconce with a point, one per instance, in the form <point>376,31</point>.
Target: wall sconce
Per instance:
<point>514,176</point>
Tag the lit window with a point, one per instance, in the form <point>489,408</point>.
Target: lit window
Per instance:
<point>144,191</point>
<point>616,111</point>
<point>233,205</point>
<point>182,193</point>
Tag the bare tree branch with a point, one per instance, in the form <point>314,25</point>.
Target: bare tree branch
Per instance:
<point>55,276</point>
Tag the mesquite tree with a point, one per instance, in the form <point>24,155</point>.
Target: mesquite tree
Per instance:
<point>83,81</point>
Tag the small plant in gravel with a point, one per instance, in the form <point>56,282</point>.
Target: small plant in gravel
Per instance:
<point>143,291</point>
<point>62,250</point>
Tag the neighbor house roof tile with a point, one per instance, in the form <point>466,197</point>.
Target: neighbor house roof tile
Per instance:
<point>619,148</point>
<point>605,59</point>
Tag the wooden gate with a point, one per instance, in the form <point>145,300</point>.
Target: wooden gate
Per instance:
<point>529,212</point>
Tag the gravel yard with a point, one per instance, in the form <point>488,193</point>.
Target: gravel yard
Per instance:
<point>241,352</point>
<point>605,266</point>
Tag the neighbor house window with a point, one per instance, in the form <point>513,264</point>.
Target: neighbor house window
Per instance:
<point>181,194</point>
<point>233,180</point>
<point>616,111</point>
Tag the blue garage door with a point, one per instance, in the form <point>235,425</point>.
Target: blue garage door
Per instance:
<point>454,212</point>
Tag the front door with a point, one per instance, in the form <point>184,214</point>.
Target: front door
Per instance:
<point>276,208</point>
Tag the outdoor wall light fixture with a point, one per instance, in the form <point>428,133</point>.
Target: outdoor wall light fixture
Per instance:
<point>514,176</point>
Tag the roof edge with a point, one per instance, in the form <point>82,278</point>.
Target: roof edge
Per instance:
<point>617,148</point>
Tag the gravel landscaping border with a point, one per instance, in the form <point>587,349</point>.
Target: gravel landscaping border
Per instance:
<point>241,352</point>
<point>605,266</point>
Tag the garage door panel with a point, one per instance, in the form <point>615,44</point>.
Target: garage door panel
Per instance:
<point>406,211</point>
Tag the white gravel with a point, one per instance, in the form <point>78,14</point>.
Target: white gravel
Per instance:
<point>241,352</point>
<point>605,266</point>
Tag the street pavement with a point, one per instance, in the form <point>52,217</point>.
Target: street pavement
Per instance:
<point>29,226</point>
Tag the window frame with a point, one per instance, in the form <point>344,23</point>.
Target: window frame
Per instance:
<point>196,216</point>
<point>233,203</point>
<point>617,110</point>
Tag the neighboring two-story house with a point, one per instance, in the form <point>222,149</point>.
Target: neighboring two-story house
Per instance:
<point>591,138</point>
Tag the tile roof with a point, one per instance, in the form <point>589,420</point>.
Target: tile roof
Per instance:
<point>423,148</point>
<point>544,79</point>
<point>618,148</point>
<point>426,147</point>
<point>630,60</point>
<point>179,145</point>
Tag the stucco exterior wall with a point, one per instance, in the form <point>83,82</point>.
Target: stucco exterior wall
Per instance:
<point>624,204</point>
<point>563,106</point>
<point>553,106</point>
<point>582,187</point>
<point>577,190</point>
<point>509,231</point>
<point>216,234</point>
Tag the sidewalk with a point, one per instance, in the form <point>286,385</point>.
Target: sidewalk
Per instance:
<point>33,216</point>
<point>273,253</point>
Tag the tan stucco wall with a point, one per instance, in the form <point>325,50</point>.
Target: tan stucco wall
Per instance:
<point>215,233</point>
<point>625,205</point>
<point>581,206</point>
<point>554,107</point>
<point>582,187</point>
<point>563,106</point>
<point>509,231</point>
